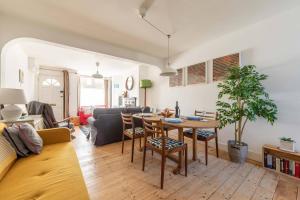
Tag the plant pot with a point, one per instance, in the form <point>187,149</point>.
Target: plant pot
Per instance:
<point>287,145</point>
<point>237,153</point>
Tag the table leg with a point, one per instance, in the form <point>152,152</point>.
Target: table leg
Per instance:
<point>180,138</point>
<point>194,144</point>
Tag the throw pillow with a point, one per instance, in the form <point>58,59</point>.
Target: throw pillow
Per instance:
<point>30,138</point>
<point>12,136</point>
<point>7,156</point>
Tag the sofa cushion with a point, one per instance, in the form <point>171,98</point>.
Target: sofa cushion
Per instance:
<point>53,174</point>
<point>12,136</point>
<point>7,156</point>
<point>30,138</point>
<point>139,131</point>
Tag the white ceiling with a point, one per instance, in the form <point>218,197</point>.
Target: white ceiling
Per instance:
<point>82,61</point>
<point>193,22</point>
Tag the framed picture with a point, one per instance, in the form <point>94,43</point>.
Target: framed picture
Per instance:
<point>220,65</point>
<point>21,76</point>
<point>196,74</point>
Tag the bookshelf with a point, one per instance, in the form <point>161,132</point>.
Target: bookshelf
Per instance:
<point>280,161</point>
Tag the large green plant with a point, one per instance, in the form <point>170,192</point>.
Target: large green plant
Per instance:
<point>246,99</point>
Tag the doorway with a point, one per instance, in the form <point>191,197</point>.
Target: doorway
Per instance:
<point>51,90</point>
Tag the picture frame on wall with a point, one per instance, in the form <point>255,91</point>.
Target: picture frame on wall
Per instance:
<point>21,76</point>
<point>221,65</point>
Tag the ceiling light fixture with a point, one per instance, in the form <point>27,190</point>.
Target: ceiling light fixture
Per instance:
<point>167,70</point>
<point>97,74</point>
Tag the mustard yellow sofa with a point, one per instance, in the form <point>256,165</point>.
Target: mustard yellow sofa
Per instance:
<point>52,175</point>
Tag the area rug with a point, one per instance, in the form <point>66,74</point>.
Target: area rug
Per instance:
<point>85,129</point>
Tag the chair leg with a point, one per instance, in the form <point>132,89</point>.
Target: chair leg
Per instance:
<point>206,152</point>
<point>217,147</point>
<point>185,158</point>
<point>132,149</point>
<point>140,144</point>
<point>123,143</point>
<point>144,157</point>
<point>152,149</point>
<point>167,132</point>
<point>162,175</point>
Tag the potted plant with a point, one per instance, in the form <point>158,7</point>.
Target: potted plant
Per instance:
<point>287,144</point>
<point>246,100</point>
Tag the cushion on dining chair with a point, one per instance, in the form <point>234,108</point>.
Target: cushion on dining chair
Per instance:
<point>170,143</point>
<point>201,133</point>
<point>138,131</point>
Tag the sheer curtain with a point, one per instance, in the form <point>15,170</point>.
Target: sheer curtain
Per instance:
<point>92,92</point>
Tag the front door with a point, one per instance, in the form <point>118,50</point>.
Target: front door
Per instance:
<point>51,90</point>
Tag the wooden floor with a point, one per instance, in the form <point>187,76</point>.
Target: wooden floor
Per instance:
<point>110,175</point>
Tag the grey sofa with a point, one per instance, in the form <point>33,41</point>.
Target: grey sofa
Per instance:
<point>106,124</point>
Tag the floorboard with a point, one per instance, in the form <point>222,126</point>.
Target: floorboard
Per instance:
<point>110,175</point>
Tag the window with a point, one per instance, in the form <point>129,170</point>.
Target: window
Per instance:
<point>51,82</point>
<point>177,79</point>
<point>196,74</point>
<point>92,91</point>
<point>221,65</point>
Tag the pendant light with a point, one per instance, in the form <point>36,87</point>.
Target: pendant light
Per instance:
<point>97,75</point>
<point>167,70</point>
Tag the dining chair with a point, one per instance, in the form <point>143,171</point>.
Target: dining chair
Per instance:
<point>131,131</point>
<point>205,134</point>
<point>161,144</point>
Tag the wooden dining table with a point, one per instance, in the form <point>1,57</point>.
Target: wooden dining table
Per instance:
<point>191,124</point>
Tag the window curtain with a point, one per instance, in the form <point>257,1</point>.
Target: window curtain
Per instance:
<point>66,93</point>
<point>107,90</point>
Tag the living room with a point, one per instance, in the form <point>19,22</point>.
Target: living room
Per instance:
<point>176,66</point>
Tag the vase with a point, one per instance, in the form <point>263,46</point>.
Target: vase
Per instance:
<point>237,152</point>
<point>287,145</point>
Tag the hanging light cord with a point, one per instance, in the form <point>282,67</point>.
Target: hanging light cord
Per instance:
<point>162,32</point>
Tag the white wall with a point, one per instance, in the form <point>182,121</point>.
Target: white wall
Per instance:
<point>15,60</point>
<point>120,80</point>
<point>273,45</point>
<point>13,27</point>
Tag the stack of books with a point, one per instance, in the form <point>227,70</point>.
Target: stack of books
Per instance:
<point>283,165</point>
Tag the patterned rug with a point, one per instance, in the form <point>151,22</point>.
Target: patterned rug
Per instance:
<point>85,129</point>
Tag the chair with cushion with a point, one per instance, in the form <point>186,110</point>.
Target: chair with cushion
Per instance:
<point>131,131</point>
<point>205,134</point>
<point>44,109</point>
<point>161,144</point>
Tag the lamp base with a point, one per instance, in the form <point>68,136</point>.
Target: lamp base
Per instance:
<point>11,112</point>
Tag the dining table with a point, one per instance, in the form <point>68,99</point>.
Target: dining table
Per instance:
<point>184,124</point>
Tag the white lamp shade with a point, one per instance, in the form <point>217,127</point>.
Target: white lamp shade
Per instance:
<point>167,71</point>
<point>12,96</point>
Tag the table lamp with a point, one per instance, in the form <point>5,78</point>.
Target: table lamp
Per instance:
<point>10,97</point>
<point>145,84</point>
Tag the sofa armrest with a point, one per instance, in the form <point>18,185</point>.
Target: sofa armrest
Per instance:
<point>55,135</point>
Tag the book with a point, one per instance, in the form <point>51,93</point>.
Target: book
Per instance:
<point>281,165</point>
<point>297,169</point>
<point>278,164</point>
<point>286,165</point>
<point>291,168</point>
<point>273,162</point>
<point>265,159</point>
<point>269,161</point>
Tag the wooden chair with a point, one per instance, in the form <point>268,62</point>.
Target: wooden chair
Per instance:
<point>131,131</point>
<point>204,134</point>
<point>161,144</point>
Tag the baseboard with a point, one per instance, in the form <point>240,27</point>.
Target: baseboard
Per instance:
<point>251,155</point>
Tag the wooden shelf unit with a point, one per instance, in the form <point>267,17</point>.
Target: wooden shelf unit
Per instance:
<point>277,152</point>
